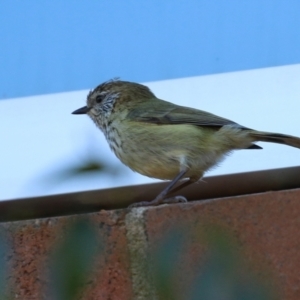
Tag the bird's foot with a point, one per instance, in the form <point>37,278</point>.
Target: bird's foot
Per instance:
<point>158,201</point>
<point>175,199</point>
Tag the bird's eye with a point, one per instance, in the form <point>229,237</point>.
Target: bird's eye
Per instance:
<point>99,98</point>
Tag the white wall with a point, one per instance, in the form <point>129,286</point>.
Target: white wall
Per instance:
<point>39,136</point>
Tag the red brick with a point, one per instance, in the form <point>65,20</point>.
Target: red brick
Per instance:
<point>265,226</point>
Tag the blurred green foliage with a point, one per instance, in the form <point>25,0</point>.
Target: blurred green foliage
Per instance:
<point>72,261</point>
<point>91,162</point>
<point>219,271</point>
<point>4,249</point>
<point>90,165</point>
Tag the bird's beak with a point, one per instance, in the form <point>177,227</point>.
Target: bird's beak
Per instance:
<point>81,111</point>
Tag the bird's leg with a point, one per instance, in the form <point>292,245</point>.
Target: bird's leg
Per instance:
<point>160,199</point>
<point>168,189</point>
<point>177,199</point>
<point>181,186</point>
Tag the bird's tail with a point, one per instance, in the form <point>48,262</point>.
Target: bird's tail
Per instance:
<point>275,138</point>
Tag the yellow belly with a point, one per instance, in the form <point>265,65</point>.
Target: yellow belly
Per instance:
<point>161,151</point>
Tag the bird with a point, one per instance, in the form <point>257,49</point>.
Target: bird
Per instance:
<point>162,140</point>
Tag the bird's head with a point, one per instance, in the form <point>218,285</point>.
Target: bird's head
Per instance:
<point>113,95</point>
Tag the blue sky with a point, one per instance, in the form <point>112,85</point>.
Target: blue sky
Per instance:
<point>56,46</point>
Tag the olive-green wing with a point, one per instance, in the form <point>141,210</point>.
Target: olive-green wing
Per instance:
<point>162,112</point>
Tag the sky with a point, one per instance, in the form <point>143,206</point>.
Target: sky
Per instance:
<point>57,46</point>
<point>237,59</point>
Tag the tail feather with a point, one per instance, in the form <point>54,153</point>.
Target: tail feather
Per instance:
<point>276,138</point>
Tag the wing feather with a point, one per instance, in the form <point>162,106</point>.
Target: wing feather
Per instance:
<point>162,112</point>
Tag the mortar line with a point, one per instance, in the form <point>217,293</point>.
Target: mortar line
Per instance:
<point>142,279</point>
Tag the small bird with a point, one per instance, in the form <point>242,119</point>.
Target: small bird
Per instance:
<point>163,140</point>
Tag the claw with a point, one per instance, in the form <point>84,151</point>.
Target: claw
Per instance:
<point>140,204</point>
<point>155,202</point>
<point>176,199</point>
